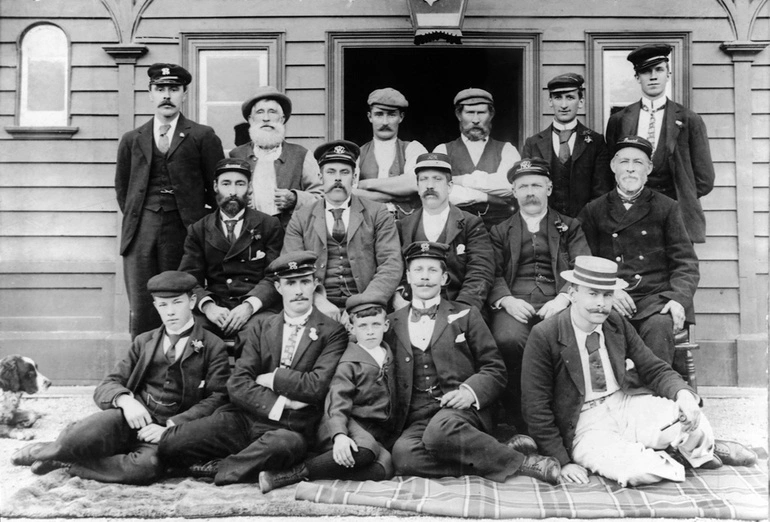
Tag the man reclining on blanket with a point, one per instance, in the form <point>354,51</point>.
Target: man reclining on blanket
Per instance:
<point>580,408</point>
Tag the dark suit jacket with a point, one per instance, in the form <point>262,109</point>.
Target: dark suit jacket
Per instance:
<point>591,175</point>
<point>463,350</point>
<point>552,383</point>
<point>315,359</point>
<point>506,241</point>
<point>192,158</point>
<point>231,273</point>
<point>470,260</point>
<point>373,246</point>
<point>651,246</point>
<point>689,157</point>
<point>204,373</point>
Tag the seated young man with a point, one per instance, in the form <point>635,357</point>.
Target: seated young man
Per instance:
<point>170,376</point>
<point>357,424</point>
<point>450,372</point>
<point>578,400</point>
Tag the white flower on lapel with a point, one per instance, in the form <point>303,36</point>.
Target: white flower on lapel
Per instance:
<point>202,385</point>
<point>588,139</point>
<point>197,345</point>
<point>313,334</point>
<point>679,123</point>
<point>460,338</point>
<point>258,255</point>
<point>454,317</point>
<point>181,134</point>
<point>460,249</point>
<point>630,365</point>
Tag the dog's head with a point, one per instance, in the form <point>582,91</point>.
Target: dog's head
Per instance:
<point>19,373</point>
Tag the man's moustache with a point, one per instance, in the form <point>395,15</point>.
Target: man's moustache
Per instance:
<point>166,104</point>
<point>385,128</point>
<point>429,192</point>
<point>298,299</point>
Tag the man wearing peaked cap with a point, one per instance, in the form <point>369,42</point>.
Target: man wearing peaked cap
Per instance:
<point>163,181</point>
<point>228,252</point>
<point>285,175</point>
<point>577,156</point>
<point>470,261</point>
<point>582,409</point>
<point>642,230</point>
<point>355,237</point>
<point>479,163</point>
<point>386,165</point>
<point>170,376</point>
<point>277,389</point>
<point>531,249</point>
<point>682,165</point>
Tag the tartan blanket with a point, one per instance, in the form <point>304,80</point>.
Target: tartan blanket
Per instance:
<point>726,493</point>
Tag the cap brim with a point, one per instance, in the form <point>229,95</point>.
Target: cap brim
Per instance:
<point>433,164</point>
<point>295,273</point>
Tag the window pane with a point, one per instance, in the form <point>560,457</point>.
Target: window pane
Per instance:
<point>44,77</point>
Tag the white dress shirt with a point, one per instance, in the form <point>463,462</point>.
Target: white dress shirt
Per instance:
<point>644,118</point>
<point>170,133</point>
<point>533,222</point>
<point>181,343</point>
<point>330,216</point>
<point>433,224</point>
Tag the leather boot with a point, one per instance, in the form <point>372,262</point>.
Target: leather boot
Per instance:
<point>542,468</point>
<point>270,480</point>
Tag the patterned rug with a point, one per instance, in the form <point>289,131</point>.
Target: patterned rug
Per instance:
<point>726,493</point>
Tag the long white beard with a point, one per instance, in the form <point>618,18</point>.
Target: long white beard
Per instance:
<point>267,138</point>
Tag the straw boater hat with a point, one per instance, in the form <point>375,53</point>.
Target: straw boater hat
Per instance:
<point>595,272</point>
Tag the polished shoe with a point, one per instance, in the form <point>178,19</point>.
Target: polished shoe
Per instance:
<point>270,480</point>
<point>43,467</point>
<point>523,444</point>
<point>542,468</point>
<point>714,463</point>
<point>26,456</point>
<point>204,470</point>
<point>734,454</point>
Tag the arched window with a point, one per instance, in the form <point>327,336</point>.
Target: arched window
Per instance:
<point>44,77</point>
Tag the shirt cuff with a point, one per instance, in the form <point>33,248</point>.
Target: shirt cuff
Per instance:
<point>255,302</point>
<point>475,397</point>
<point>203,302</point>
<point>118,396</point>
<point>277,410</point>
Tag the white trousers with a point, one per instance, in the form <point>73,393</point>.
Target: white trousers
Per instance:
<point>621,439</point>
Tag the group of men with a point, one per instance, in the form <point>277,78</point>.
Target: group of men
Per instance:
<point>500,313</point>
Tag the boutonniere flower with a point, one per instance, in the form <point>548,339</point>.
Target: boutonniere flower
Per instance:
<point>679,123</point>
<point>451,318</point>
<point>181,134</point>
<point>255,235</point>
<point>561,226</point>
<point>197,345</point>
<point>587,136</point>
<point>313,334</point>
<point>588,139</point>
<point>460,249</point>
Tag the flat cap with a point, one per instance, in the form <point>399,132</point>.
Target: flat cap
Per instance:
<point>529,166</point>
<point>339,150</point>
<point>171,283</point>
<point>433,160</point>
<point>473,96</point>
<point>267,93</point>
<point>233,165</point>
<point>647,55</point>
<point>636,142</point>
<point>361,302</point>
<point>387,97</point>
<point>168,74</point>
<point>293,264</point>
<point>429,249</point>
<point>566,82</point>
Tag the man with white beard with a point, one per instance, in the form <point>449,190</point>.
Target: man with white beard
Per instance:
<point>285,175</point>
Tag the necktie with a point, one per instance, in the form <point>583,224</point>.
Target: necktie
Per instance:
<point>598,381</point>
<point>174,338</point>
<point>651,126</point>
<point>287,354</point>
<point>338,230</point>
<point>230,224</point>
<point>163,143</point>
<point>564,152</point>
<point>416,314</point>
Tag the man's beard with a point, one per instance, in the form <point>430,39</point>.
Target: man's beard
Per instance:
<point>230,206</point>
<point>475,133</point>
<point>266,138</point>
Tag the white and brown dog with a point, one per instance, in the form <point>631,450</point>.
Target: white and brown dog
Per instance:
<point>18,375</point>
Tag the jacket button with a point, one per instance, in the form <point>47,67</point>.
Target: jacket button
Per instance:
<point>641,257</point>
<point>617,259</point>
<point>243,260</point>
<point>644,232</point>
<point>229,281</point>
<point>407,359</point>
<point>615,234</point>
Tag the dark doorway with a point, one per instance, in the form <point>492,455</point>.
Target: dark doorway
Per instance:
<point>430,77</point>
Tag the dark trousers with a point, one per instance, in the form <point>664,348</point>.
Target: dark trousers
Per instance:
<point>246,447</point>
<point>103,447</point>
<point>453,443</point>
<point>158,245</point>
<point>657,332</point>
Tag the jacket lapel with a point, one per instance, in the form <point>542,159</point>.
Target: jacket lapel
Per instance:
<point>630,121</point>
<point>195,335</point>
<point>515,245</point>
<point>400,325</point>
<point>544,143</point>
<point>613,339</point>
<point>672,129</point>
<point>154,344</point>
<point>314,324</point>
<point>274,337</point>
<point>580,142</point>
<point>181,132</point>
<point>146,138</point>
<point>570,353</point>
<point>454,224</point>
<point>215,236</point>
<point>319,220</point>
<point>356,216</point>
<point>638,210</point>
<point>442,321</point>
<point>553,237</point>
<point>250,222</point>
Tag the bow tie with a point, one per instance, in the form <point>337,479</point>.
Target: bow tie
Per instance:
<point>416,314</point>
<point>630,200</point>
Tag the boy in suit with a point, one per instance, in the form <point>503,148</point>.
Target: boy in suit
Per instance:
<point>357,423</point>
<point>171,376</point>
<point>449,372</point>
<point>276,391</point>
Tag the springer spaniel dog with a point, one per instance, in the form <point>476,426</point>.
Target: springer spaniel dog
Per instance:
<point>18,375</point>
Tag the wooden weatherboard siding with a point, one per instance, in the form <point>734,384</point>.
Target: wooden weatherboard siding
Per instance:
<point>61,294</point>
